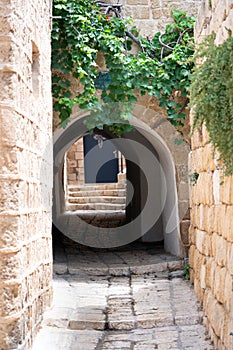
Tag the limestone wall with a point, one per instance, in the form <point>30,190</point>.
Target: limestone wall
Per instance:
<point>25,169</point>
<point>75,164</point>
<point>211,232</point>
<point>151,16</point>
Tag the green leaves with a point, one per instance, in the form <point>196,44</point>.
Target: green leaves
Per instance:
<point>211,93</point>
<point>81,30</point>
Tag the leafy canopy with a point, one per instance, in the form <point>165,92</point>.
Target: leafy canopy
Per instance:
<point>160,67</point>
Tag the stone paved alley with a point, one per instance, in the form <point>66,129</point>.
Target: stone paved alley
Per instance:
<point>133,298</point>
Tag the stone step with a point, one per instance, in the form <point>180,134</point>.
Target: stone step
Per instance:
<point>94,187</point>
<point>97,192</point>
<point>95,206</point>
<point>97,199</point>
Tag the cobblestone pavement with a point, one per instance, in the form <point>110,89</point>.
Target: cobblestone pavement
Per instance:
<point>130,298</point>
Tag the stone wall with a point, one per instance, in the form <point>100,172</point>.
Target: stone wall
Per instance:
<point>152,16</point>
<point>211,232</point>
<point>25,169</point>
<point>75,164</point>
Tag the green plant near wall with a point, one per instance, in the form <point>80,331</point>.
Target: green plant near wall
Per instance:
<point>211,95</point>
<point>160,67</point>
<point>187,271</point>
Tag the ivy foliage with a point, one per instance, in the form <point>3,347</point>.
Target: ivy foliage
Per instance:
<point>211,95</point>
<point>160,67</point>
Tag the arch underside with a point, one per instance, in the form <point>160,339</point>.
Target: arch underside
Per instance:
<point>153,214</point>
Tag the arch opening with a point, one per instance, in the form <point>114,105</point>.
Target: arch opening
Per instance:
<point>166,225</point>
<point>95,186</point>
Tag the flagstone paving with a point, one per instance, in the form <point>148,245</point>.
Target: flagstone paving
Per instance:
<point>133,298</point>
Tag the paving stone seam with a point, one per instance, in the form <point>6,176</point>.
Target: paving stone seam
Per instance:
<point>124,262</point>
<point>100,343</point>
<point>133,303</point>
<point>107,303</point>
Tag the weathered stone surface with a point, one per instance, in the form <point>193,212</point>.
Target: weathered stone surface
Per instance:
<point>211,229</point>
<point>91,318</point>
<point>25,170</point>
<point>137,311</point>
<point>59,339</point>
<point>203,243</point>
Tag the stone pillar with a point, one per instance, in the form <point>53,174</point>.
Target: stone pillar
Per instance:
<point>25,169</point>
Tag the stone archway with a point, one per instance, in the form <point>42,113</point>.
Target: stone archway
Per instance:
<point>173,159</point>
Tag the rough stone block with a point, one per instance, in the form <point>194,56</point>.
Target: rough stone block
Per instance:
<point>10,300</point>
<point>220,11</point>
<point>228,293</point>
<point>79,155</point>
<point>219,283</point>
<point>192,250</point>
<point>136,2</point>
<point>226,190</point>
<point>201,217</point>
<point>207,158</point>
<point>196,159</point>
<point>196,140</point>
<point>198,288</point>
<point>215,313</point>
<point>209,219</point>
<point>205,135</point>
<point>221,251</point>
<point>10,266</point>
<point>155,3</point>
<point>210,269</point>
<point>184,231</point>
<point>157,13</point>
<point>219,217</point>
<point>205,192</point>
<point>72,163</point>
<point>93,319</point>
<point>10,232</point>
<point>8,85</point>
<point>192,235</point>
<point>139,12</point>
<point>230,258</point>
<point>227,227</point>
<point>203,243</point>
<point>199,260</point>
<point>11,335</point>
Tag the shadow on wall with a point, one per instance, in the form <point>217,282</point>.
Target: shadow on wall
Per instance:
<point>151,212</point>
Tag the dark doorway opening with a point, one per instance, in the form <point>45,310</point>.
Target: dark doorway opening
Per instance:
<point>100,152</point>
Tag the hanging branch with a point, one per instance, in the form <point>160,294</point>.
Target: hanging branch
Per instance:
<point>116,9</point>
<point>167,46</point>
<point>133,37</point>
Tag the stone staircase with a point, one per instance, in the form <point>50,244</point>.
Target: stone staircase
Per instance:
<point>106,197</point>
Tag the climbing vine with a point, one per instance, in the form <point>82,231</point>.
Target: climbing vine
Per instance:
<point>211,95</point>
<point>161,67</point>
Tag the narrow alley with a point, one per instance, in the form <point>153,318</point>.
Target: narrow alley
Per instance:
<point>134,297</point>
